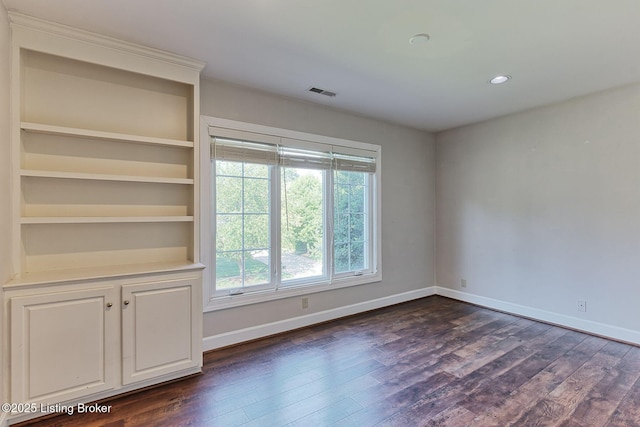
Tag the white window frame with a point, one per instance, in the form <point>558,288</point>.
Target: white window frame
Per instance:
<point>207,207</point>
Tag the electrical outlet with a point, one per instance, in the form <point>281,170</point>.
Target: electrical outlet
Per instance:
<point>305,302</point>
<point>582,305</point>
<point>463,283</point>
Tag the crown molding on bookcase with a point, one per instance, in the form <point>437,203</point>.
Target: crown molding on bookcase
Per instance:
<point>26,21</point>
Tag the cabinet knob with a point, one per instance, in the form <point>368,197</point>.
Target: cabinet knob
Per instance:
<point>109,305</point>
<point>126,302</point>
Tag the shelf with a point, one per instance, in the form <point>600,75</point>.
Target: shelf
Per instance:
<point>106,167</point>
<point>94,273</point>
<point>102,219</point>
<point>103,177</point>
<point>105,136</point>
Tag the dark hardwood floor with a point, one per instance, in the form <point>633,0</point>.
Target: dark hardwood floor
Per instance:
<point>432,362</point>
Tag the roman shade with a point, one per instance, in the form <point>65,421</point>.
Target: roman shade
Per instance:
<point>239,146</point>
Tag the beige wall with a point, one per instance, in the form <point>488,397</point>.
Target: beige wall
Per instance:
<point>5,223</point>
<point>541,209</point>
<point>407,198</point>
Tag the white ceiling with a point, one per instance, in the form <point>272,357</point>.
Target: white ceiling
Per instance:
<point>554,49</point>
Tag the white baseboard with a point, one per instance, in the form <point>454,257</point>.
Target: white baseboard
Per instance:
<point>260,331</point>
<point>588,326</point>
<point>3,419</point>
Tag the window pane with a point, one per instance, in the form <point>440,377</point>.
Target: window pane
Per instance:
<point>357,228</point>
<point>356,199</point>
<point>302,223</point>
<point>341,257</point>
<point>341,228</point>
<point>341,198</point>
<point>228,168</point>
<point>256,264</point>
<point>356,178</point>
<point>228,273</point>
<point>341,177</point>
<point>228,232</point>
<point>256,231</point>
<point>229,194</point>
<point>356,256</point>
<point>350,227</point>
<point>242,225</point>
<point>256,195</point>
<point>256,171</point>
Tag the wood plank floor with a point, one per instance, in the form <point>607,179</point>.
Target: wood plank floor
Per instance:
<point>431,362</point>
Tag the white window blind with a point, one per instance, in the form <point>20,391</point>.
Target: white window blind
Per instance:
<point>304,159</point>
<point>289,153</point>
<point>344,162</point>
<point>244,151</point>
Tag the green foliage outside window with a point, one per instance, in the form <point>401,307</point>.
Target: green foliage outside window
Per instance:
<point>349,235</point>
<point>302,221</point>
<point>242,224</point>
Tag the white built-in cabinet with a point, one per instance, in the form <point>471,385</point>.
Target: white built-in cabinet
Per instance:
<point>106,293</point>
<point>63,344</point>
<point>78,340</point>
<point>158,321</point>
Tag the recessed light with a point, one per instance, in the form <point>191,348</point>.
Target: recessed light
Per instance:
<point>419,39</point>
<point>499,79</point>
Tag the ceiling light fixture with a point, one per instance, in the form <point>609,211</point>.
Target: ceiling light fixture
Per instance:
<point>419,39</point>
<point>499,79</point>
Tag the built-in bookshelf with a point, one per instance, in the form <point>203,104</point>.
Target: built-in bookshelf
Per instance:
<point>105,161</point>
<point>105,218</point>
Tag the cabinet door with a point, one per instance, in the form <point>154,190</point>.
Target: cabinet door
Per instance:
<point>161,328</point>
<point>63,345</point>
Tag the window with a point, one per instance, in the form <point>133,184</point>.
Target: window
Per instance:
<point>290,215</point>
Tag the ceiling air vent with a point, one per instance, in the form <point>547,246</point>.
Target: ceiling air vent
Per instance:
<point>322,92</point>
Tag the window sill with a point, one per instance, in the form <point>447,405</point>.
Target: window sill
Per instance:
<point>257,297</point>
